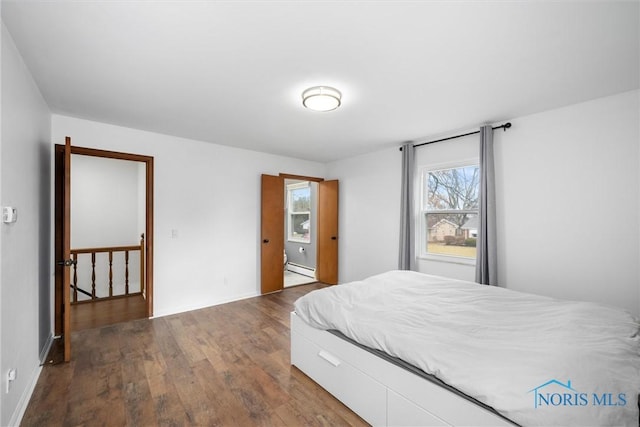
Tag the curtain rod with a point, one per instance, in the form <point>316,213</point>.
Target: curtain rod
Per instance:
<point>504,127</point>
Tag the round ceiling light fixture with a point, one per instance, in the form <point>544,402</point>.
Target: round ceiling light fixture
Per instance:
<point>321,98</point>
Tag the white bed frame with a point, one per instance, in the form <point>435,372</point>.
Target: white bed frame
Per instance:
<point>382,393</point>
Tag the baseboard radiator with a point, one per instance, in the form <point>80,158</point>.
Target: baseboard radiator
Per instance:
<point>301,269</point>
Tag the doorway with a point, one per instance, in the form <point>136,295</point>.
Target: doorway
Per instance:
<point>107,241</point>
<point>125,267</point>
<point>300,228</point>
<point>273,231</point>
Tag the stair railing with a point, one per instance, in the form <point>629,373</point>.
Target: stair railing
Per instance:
<point>76,288</point>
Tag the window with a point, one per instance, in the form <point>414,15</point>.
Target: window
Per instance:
<point>449,211</point>
<point>299,212</point>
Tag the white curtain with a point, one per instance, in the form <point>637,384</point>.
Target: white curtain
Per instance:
<point>486,261</point>
<point>407,258</point>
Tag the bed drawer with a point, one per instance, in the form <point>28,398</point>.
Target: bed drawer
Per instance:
<point>402,412</point>
<point>360,392</point>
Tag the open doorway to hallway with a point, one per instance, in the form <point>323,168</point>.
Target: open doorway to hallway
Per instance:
<point>102,275</point>
<point>107,241</point>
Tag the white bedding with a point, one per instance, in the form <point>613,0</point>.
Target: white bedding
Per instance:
<point>496,345</point>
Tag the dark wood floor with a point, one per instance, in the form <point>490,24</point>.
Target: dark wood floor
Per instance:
<point>91,315</point>
<point>227,365</point>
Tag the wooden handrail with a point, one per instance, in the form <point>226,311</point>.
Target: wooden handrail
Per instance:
<point>106,249</point>
<point>109,250</point>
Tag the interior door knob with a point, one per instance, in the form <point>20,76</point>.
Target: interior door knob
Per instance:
<point>265,240</point>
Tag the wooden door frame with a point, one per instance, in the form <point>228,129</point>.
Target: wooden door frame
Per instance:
<point>300,177</point>
<point>323,274</point>
<point>295,177</point>
<point>149,226</point>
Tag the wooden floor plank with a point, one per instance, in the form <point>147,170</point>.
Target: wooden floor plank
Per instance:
<point>227,365</point>
<point>89,315</point>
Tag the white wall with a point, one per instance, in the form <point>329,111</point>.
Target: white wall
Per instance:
<point>2,32</point>
<point>142,196</point>
<point>567,196</point>
<point>106,211</point>
<point>210,195</point>
<point>369,213</point>
<point>104,202</point>
<point>25,255</point>
<point>568,206</point>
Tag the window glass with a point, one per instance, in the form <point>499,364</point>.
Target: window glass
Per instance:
<point>455,188</point>
<point>299,212</point>
<point>449,212</point>
<point>300,199</point>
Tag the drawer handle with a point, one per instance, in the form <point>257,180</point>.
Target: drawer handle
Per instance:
<point>329,358</point>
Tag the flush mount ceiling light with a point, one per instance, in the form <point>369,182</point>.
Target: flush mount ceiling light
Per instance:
<point>321,98</point>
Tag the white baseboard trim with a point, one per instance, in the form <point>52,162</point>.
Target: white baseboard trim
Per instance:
<point>184,309</point>
<point>45,350</point>
<point>301,269</point>
<point>21,408</point>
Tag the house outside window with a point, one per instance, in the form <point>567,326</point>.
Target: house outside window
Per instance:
<point>449,212</point>
<point>299,211</point>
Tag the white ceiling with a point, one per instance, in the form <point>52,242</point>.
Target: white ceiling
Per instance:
<point>232,73</point>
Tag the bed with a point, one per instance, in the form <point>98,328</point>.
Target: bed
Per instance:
<point>406,348</point>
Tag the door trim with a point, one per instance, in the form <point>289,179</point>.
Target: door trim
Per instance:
<point>300,177</point>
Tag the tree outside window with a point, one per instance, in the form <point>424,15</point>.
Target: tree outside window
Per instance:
<point>449,211</point>
<point>299,210</point>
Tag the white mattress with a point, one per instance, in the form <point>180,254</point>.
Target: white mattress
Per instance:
<point>506,349</point>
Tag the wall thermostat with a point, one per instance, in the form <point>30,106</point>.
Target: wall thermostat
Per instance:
<point>9,214</point>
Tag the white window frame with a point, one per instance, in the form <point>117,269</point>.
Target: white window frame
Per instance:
<point>290,211</point>
<point>422,212</point>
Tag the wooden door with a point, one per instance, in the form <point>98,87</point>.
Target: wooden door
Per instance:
<point>272,234</point>
<point>63,246</point>
<point>327,261</point>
